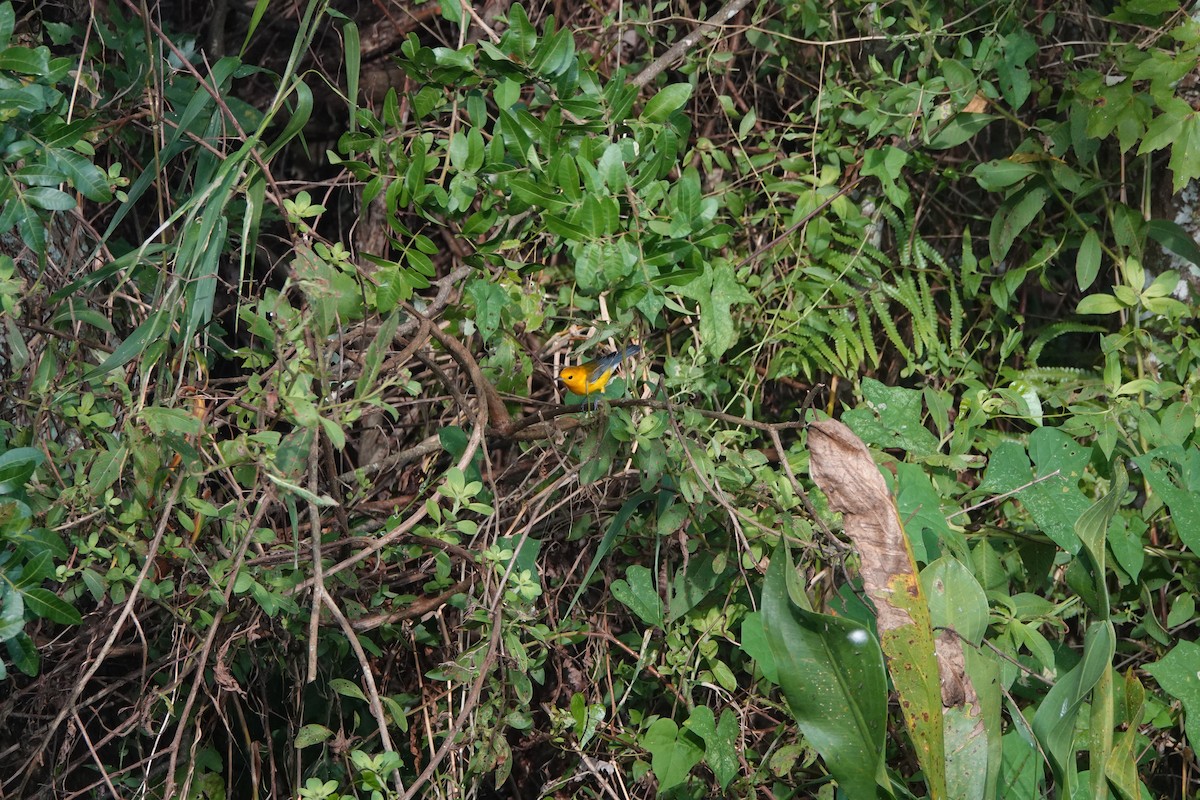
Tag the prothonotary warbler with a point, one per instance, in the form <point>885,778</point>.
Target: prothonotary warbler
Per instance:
<point>591,378</point>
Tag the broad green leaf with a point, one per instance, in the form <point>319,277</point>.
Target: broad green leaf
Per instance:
<point>1087,261</point>
<point>1122,766</point>
<point>1048,487</point>
<point>23,653</point>
<point>886,163</point>
<point>1173,237</point>
<point>1018,46</point>
<point>26,60</point>
<point>1174,475</point>
<point>891,419</point>
<point>1178,673</point>
<point>48,198</point>
<point>1055,719</point>
<point>1021,768</point>
<point>720,742</point>
<point>717,290</point>
<point>489,300</point>
<point>17,466</point>
<point>919,504</point>
<point>668,100</point>
<point>520,39</point>
<point>832,674</point>
<point>1002,173</point>
<point>310,735</point>
<point>956,600</point>
<point>36,570</point>
<point>1017,214</point>
<point>1185,153</point>
<point>170,420</point>
<point>1099,304</point>
<point>89,179</point>
<point>38,175</point>
<point>672,753</point>
<point>639,594</point>
<point>755,645</point>
<point>693,582</point>
<point>12,612</point>
<point>347,688</point>
<point>1092,529</point>
<point>959,129</point>
<point>8,21</point>
<point>46,604</point>
<point>556,54</point>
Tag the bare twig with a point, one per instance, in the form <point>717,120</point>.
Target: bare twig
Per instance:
<point>723,15</point>
<point>69,706</point>
<point>202,658</point>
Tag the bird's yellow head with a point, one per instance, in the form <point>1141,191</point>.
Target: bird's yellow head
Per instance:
<point>576,379</point>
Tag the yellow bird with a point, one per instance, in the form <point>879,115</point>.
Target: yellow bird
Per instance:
<point>591,378</point>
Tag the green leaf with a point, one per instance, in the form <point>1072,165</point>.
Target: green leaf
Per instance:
<point>1002,173</point>
<point>490,300</point>
<point>672,754</point>
<point>1173,237</point>
<point>1092,529</point>
<point>639,594</point>
<point>170,420</point>
<point>86,177</point>
<point>322,501</point>
<point>668,100</point>
<point>890,418</point>
<point>1164,130</point>
<point>16,468</point>
<point>1174,475</point>
<point>150,331</point>
<point>755,645</point>
<point>352,48</point>
<point>886,163</point>
<point>1122,766</point>
<point>38,175</point>
<point>25,60</point>
<point>310,735</point>
<point>1051,494</point>
<point>1087,262</point>
<point>720,741</point>
<point>520,38</point>
<point>1014,217</point>
<point>48,198</point>
<point>1054,721</point>
<point>956,600</point>
<point>1099,304</point>
<point>615,528</point>
<point>23,654</point>
<point>36,570</point>
<point>832,674</point>
<point>960,129</point>
<point>8,22</point>
<point>12,612</point>
<point>1013,75</point>
<point>347,688</point>
<point>373,359</point>
<point>717,290</point>
<point>46,604</point>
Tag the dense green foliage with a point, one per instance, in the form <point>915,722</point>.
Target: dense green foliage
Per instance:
<point>290,501</point>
